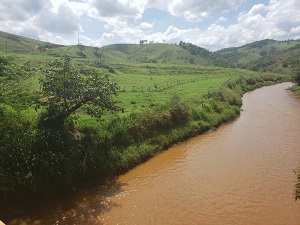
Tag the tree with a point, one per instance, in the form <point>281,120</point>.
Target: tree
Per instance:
<point>96,52</point>
<point>295,64</point>
<point>65,90</point>
<point>297,75</point>
<point>143,42</point>
<point>297,78</point>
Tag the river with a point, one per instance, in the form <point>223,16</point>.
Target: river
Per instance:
<point>240,174</point>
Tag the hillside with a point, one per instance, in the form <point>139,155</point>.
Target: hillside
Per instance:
<point>264,55</point>
<point>12,43</point>
<point>148,53</point>
<point>158,53</point>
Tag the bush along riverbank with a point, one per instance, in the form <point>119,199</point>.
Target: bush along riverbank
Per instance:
<point>37,163</point>
<point>296,90</point>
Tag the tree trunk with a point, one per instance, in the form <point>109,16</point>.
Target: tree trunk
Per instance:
<point>55,122</point>
<point>59,120</point>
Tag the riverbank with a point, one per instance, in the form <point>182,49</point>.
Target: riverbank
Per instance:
<point>296,90</point>
<point>130,141</point>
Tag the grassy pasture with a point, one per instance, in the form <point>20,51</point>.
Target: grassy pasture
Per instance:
<point>143,85</point>
<point>146,84</point>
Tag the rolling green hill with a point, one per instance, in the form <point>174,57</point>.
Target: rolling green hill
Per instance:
<point>264,55</point>
<point>147,53</point>
<point>12,43</point>
<point>158,53</point>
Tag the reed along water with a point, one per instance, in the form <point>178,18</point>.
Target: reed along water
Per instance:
<point>242,173</point>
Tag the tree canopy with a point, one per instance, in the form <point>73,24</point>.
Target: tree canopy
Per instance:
<point>65,90</point>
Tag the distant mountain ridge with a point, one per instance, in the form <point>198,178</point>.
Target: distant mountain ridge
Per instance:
<point>264,55</point>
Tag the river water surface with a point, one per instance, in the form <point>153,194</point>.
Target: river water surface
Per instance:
<point>240,174</point>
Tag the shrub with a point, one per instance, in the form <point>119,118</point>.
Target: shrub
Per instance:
<point>225,95</point>
<point>297,78</point>
<point>297,185</point>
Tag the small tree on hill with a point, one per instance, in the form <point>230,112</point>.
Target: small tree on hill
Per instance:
<point>143,42</point>
<point>65,91</point>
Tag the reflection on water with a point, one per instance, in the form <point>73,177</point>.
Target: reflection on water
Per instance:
<point>240,174</point>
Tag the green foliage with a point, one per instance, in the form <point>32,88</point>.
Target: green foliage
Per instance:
<point>11,123</point>
<point>15,141</point>
<point>159,53</point>
<point>13,87</point>
<point>297,185</point>
<point>225,95</point>
<point>297,78</point>
<point>264,55</point>
<point>81,47</point>
<point>297,74</point>
<point>38,162</point>
<point>295,89</point>
<point>18,44</point>
<point>194,49</point>
<point>65,90</point>
<point>4,62</point>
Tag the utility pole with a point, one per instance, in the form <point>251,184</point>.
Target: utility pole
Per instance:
<point>6,47</point>
<point>78,35</point>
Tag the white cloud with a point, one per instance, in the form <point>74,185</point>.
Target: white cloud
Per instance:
<point>257,9</point>
<point>260,22</point>
<point>20,10</point>
<point>194,10</point>
<point>295,30</point>
<point>118,8</point>
<point>64,21</point>
<point>222,19</point>
<point>197,10</point>
<point>123,21</point>
<point>145,25</point>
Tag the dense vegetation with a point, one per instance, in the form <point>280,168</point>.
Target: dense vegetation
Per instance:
<point>297,185</point>
<point>157,105</point>
<point>296,89</point>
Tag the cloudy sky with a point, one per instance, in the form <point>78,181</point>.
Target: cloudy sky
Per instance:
<point>212,24</point>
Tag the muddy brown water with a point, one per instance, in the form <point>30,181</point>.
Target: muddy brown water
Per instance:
<point>240,174</point>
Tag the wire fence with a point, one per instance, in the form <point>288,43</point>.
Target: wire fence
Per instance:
<point>162,87</point>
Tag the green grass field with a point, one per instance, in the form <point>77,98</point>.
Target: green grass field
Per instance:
<point>143,84</point>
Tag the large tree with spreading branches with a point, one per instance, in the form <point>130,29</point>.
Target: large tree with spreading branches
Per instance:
<point>65,90</point>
